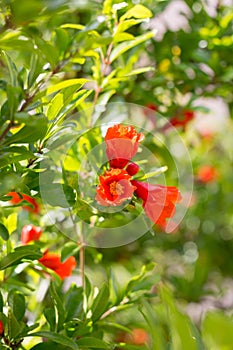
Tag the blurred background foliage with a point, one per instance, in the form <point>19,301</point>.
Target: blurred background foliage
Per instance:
<point>59,58</point>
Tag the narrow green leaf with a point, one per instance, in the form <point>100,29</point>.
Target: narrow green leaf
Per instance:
<point>30,133</point>
<point>16,301</point>
<point>58,305</point>
<point>140,71</point>
<point>64,84</point>
<point>107,7</point>
<point>135,280</point>
<point>50,316</point>
<point>4,232</point>
<point>153,322</point>
<point>69,249</point>
<point>12,69</point>
<point>1,302</point>
<point>93,343</point>
<point>182,329</point>
<point>35,68</point>
<point>138,11</point>
<point>48,346</point>
<point>73,302</point>
<point>57,338</point>
<point>73,26</point>
<point>123,26</point>
<point>119,37</point>
<point>125,46</point>
<point>14,327</point>
<point>29,252</point>
<point>223,337</point>
<point>100,302</point>
<point>153,173</point>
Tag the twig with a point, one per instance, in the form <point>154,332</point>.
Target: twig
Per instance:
<point>82,249</point>
<point>4,133</point>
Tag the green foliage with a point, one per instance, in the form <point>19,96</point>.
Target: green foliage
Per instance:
<point>61,64</point>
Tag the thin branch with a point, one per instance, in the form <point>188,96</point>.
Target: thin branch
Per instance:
<point>7,129</point>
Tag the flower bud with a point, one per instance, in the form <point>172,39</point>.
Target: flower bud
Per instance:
<point>132,169</point>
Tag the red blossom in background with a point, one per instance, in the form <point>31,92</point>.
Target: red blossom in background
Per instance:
<point>207,173</point>
<point>152,106</point>
<point>30,233</point>
<point>121,144</point>
<point>180,120</point>
<point>18,198</point>
<point>1,328</point>
<point>139,336</point>
<point>183,119</point>
<point>158,201</point>
<point>53,262</point>
<point>114,187</point>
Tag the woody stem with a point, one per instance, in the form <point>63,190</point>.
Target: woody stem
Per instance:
<point>79,231</point>
<point>82,257</point>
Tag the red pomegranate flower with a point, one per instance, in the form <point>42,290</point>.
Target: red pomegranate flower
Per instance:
<point>121,144</point>
<point>30,233</point>
<point>158,201</point>
<point>207,173</point>
<point>18,198</point>
<point>114,187</point>
<point>53,262</point>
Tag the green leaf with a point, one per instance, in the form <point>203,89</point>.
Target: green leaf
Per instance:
<point>83,210</point>
<point>153,322</point>
<point>131,347</point>
<point>153,173</point>
<point>59,101</point>
<point>138,11</point>
<point>183,332</point>
<point>29,252</point>
<point>73,26</point>
<point>69,249</point>
<point>4,232</point>
<point>12,69</point>
<point>73,302</point>
<point>136,279</point>
<point>123,26</point>
<point>100,303</point>
<point>50,316</point>
<point>140,71</point>
<point>55,337</point>
<point>61,313</point>
<point>58,195</point>
<point>14,154</point>
<point>93,343</point>
<point>119,37</point>
<point>1,302</point>
<point>14,327</point>
<point>49,51</point>
<point>62,39</point>
<point>217,330</point>
<point>125,46</point>
<point>107,7</point>
<point>16,301</point>
<point>64,84</point>
<point>48,346</point>
<point>30,133</point>
<point>35,68</point>
<point>13,97</point>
